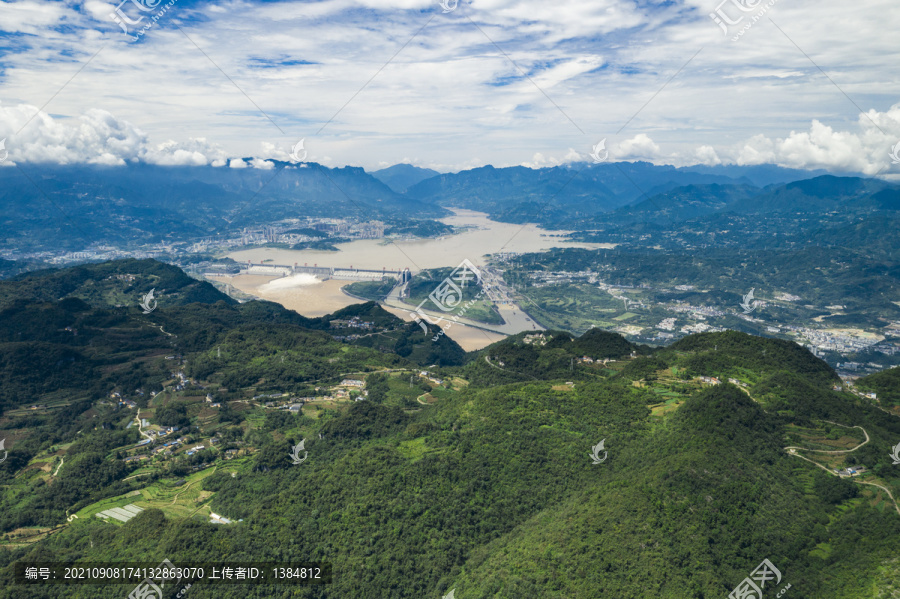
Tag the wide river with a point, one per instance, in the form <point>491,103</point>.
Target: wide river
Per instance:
<point>485,237</point>
<point>312,298</point>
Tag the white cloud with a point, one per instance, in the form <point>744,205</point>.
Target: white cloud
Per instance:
<point>541,161</point>
<point>31,17</point>
<point>98,10</point>
<point>562,19</point>
<point>758,150</point>
<point>451,96</point>
<point>194,152</point>
<point>865,150</point>
<point>706,155</point>
<point>97,137</point>
<point>261,164</point>
<point>639,147</point>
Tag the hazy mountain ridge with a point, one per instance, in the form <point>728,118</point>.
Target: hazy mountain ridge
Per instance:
<point>564,196</point>
<point>401,177</point>
<point>684,203</point>
<point>74,206</point>
<point>71,207</point>
<point>823,194</point>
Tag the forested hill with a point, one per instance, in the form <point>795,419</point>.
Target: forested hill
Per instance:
<point>110,284</point>
<point>82,332</point>
<point>545,465</point>
<point>885,385</point>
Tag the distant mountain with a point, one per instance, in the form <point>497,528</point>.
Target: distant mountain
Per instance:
<point>847,212</point>
<point>562,197</point>
<point>9,268</point>
<point>760,175</point>
<point>874,236</point>
<point>501,191</point>
<point>401,177</point>
<point>73,206</point>
<point>821,195</point>
<point>684,203</point>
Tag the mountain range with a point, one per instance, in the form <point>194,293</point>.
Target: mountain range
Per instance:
<point>43,206</point>
<point>479,478</point>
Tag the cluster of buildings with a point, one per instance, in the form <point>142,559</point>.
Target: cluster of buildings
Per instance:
<point>98,253</point>
<point>353,323</point>
<point>538,339</point>
<point>165,450</point>
<point>290,231</point>
<point>854,471</point>
<point>547,278</point>
<point>667,324</point>
<point>169,448</point>
<point>183,381</point>
<point>887,348</point>
<point>835,341</point>
<point>284,231</point>
<point>859,365</point>
<point>128,403</point>
<point>589,360</point>
<point>340,391</point>
<point>787,297</point>
<point>195,449</point>
<point>356,230</point>
<point>701,327</point>
<point>427,375</point>
<point>698,312</point>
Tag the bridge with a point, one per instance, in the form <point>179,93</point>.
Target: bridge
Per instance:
<point>325,272</point>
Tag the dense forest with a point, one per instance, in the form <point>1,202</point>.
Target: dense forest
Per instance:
<point>473,476</point>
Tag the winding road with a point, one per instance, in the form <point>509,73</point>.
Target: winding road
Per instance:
<point>840,450</point>
<point>793,451</point>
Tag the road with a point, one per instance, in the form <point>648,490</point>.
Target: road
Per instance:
<point>515,320</point>
<point>793,451</point>
<point>488,360</point>
<point>138,418</point>
<point>840,450</point>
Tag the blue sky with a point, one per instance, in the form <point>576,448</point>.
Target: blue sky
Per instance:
<point>809,84</point>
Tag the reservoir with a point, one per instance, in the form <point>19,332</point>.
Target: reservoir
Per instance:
<point>481,238</point>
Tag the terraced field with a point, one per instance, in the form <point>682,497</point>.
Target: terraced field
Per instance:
<point>178,501</point>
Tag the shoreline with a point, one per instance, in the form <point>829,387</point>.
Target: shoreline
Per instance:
<point>326,297</point>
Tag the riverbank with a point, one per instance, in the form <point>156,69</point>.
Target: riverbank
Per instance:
<point>325,297</point>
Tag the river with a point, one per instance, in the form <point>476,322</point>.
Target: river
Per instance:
<point>312,297</point>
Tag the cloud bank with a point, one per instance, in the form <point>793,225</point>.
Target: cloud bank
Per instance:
<point>505,82</point>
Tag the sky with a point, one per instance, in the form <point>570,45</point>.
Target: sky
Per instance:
<point>798,83</point>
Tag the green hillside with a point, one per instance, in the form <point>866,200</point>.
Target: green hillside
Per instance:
<point>477,475</point>
<point>885,385</point>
